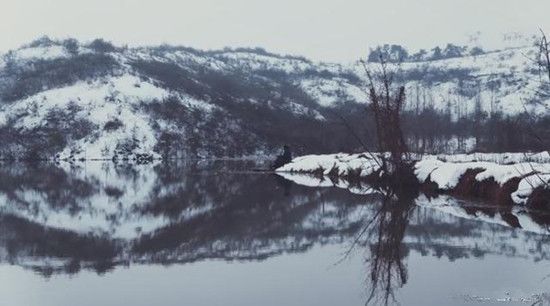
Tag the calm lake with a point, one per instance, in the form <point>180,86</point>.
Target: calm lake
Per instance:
<point>215,233</point>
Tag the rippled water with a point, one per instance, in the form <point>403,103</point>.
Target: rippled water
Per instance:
<point>214,233</point>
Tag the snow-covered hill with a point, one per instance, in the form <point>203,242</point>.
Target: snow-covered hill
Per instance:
<point>97,101</point>
<point>506,81</point>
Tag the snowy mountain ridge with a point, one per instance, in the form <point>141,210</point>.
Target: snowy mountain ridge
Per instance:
<point>98,101</point>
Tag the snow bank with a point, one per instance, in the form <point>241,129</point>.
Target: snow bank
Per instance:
<point>343,164</point>
<point>528,184</point>
<point>445,174</point>
<point>499,158</point>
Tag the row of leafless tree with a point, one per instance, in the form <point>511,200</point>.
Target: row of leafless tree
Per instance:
<point>543,62</point>
<point>387,101</point>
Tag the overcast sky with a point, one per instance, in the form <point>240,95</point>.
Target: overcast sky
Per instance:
<point>337,30</point>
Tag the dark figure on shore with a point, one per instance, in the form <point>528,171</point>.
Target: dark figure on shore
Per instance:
<point>282,159</point>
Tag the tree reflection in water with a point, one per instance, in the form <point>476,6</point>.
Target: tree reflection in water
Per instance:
<point>383,235</point>
<point>387,270</point>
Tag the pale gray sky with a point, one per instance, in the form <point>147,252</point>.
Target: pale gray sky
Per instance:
<point>340,30</point>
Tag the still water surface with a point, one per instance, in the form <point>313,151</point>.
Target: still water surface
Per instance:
<point>213,233</point>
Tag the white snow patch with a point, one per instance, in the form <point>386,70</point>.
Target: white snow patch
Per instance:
<point>101,101</point>
<point>43,52</point>
<point>343,163</point>
<point>528,184</point>
<point>445,175</point>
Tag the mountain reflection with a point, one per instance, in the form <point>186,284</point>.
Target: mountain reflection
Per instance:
<point>97,216</point>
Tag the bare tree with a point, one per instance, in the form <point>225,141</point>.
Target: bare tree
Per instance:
<point>543,63</point>
<point>544,54</point>
<point>387,100</point>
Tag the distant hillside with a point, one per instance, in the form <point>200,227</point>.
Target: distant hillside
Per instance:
<point>96,100</point>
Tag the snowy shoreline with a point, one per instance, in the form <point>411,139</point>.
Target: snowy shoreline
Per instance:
<point>518,178</point>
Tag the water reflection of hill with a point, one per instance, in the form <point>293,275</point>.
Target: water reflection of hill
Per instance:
<point>97,216</point>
